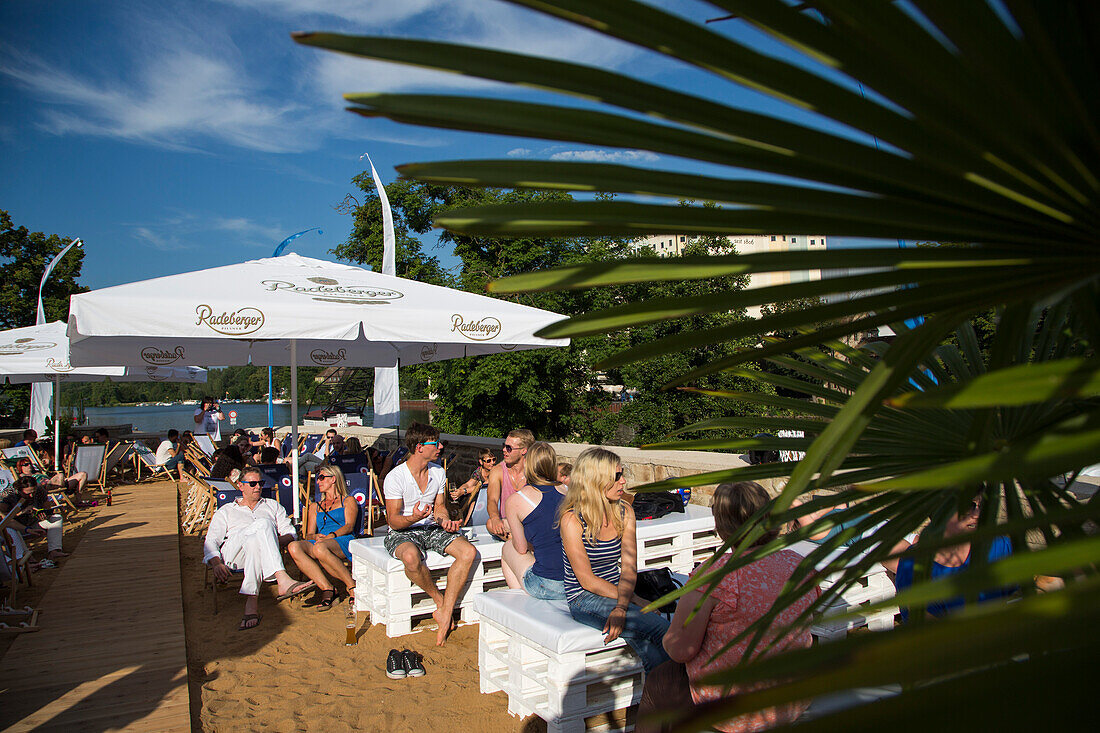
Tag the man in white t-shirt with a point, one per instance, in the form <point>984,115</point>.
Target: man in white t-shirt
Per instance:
<point>416,512</point>
<point>168,452</point>
<point>208,418</point>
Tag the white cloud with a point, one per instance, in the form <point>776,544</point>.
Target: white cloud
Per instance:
<point>184,230</point>
<point>519,152</point>
<point>606,156</point>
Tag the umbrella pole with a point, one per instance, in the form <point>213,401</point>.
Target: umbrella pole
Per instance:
<point>56,427</point>
<point>294,421</point>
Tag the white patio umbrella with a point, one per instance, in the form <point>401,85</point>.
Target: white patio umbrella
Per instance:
<point>41,354</point>
<point>266,312</point>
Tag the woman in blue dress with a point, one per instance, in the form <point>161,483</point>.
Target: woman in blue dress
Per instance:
<point>329,529</point>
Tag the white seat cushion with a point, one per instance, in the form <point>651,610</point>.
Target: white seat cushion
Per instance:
<point>371,550</point>
<point>546,623</point>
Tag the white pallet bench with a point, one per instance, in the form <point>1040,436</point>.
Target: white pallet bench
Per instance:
<point>874,586</point>
<point>552,666</point>
<point>676,541</point>
<point>383,589</point>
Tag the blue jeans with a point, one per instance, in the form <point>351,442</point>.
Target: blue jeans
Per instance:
<point>642,631</point>
<point>543,588</point>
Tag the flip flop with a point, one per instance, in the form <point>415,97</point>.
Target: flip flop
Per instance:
<point>328,597</point>
<point>245,625</point>
<point>297,589</point>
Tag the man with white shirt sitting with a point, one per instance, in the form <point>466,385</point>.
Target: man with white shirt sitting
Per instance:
<point>247,534</point>
<point>416,511</point>
<point>168,452</point>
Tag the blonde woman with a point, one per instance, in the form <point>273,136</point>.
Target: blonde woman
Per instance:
<point>601,556</point>
<point>330,524</point>
<point>534,550</point>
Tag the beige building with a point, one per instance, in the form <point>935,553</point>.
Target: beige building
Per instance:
<point>668,245</point>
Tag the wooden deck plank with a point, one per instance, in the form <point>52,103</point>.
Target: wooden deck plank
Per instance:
<point>111,654</point>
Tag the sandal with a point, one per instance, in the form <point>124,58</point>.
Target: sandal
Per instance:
<point>249,621</point>
<point>296,590</point>
<point>327,598</point>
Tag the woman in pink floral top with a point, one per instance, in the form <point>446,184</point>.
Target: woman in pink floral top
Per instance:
<point>737,601</point>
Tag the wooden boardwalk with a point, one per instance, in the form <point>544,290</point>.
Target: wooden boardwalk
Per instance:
<point>111,654</point>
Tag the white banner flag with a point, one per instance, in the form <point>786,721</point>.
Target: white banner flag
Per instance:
<point>387,390</point>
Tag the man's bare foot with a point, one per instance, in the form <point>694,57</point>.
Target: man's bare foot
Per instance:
<point>446,624</point>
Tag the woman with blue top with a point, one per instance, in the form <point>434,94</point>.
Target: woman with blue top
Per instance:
<point>534,551</point>
<point>330,527</point>
<point>955,559</point>
<point>601,557</point>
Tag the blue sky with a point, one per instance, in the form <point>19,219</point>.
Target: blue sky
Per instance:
<point>173,136</point>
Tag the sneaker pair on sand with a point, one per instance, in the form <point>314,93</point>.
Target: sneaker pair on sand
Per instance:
<point>404,663</point>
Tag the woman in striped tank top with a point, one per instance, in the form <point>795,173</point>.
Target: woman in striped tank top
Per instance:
<point>601,557</point>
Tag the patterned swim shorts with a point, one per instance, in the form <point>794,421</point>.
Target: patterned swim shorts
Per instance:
<point>431,537</point>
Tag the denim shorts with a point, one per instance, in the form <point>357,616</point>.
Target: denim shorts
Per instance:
<point>543,588</point>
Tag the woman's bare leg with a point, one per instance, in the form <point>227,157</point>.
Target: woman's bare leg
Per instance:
<point>331,556</point>
<point>302,554</point>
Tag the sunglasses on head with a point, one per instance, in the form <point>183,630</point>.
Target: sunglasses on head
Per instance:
<point>253,483</point>
<point>430,442</point>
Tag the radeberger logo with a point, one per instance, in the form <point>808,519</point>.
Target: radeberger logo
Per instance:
<point>155,374</point>
<point>427,353</point>
<point>58,366</point>
<point>161,357</point>
<point>325,288</point>
<point>23,345</point>
<point>323,357</point>
<point>483,329</point>
<point>231,323</point>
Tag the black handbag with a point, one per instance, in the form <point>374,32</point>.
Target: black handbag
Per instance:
<point>653,584</point>
<point>652,505</point>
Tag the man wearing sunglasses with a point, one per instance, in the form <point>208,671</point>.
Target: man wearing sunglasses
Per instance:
<point>416,511</point>
<point>247,535</point>
<point>506,478</point>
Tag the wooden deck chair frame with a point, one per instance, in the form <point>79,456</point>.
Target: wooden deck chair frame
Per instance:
<point>19,567</point>
<point>95,475</point>
<point>200,507</point>
<point>198,459</point>
<point>145,457</point>
<point>115,456</point>
<point>203,438</point>
<point>15,452</point>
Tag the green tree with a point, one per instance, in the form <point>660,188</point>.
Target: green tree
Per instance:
<point>23,258</point>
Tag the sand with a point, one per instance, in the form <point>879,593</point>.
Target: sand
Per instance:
<point>294,673</point>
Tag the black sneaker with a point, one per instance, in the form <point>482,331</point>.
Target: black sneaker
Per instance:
<point>414,663</point>
<point>395,665</point>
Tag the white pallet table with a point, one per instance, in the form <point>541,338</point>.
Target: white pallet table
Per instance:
<point>676,541</point>
<point>550,665</point>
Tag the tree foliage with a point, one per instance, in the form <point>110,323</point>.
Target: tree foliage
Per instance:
<point>23,258</point>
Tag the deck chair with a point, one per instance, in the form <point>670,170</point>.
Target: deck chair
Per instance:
<point>116,454</point>
<point>143,456</point>
<point>203,441</point>
<point>198,505</point>
<point>18,567</point>
<point>309,445</point>
<point>363,487</point>
<point>353,463</point>
<point>277,479</point>
<point>286,445</point>
<point>92,459</point>
<point>14,453</point>
<point>200,462</point>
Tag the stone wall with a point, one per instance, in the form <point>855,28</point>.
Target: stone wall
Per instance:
<point>642,466</point>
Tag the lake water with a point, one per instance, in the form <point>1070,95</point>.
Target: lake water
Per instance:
<point>159,418</point>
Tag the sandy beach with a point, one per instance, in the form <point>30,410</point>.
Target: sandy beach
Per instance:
<point>294,673</point>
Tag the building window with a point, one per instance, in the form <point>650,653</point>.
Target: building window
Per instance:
<point>794,241</point>
<point>812,242</point>
<point>682,239</point>
<point>773,237</point>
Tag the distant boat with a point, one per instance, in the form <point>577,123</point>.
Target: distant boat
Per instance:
<point>280,401</point>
